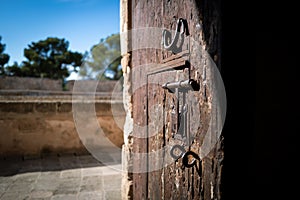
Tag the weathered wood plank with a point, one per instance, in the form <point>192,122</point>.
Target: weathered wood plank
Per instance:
<point>179,63</point>
<point>156,136</point>
<point>173,182</point>
<point>176,56</point>
<point>139,114</point>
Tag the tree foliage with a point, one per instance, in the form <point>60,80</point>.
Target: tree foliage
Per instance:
<point>48,58</point>
<point>4,58</point>
<point>105,60</point>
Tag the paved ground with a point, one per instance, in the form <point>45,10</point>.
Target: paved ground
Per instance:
<point>53,178</point>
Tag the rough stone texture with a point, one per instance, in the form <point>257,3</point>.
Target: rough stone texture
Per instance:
<point>22,83</point>
<point>125,24</point>
<point>100,86</point>
<point>40,128</point>
<point>45,84</point>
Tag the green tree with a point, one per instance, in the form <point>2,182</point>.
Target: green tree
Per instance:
<point>14,70</point>
<point>48,58</point>
<point>104,61</point>
<point>4,58</point>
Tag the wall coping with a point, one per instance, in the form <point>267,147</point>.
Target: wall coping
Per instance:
<point>39,96</point>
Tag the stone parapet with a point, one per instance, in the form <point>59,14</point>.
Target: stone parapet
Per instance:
<point>35,123</point>
<point>36,96</point>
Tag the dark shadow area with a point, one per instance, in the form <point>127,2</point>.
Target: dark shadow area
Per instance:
<point>276,127</point>
<point>260,73</point>
<point>16,165</point>
<point>238,74</point>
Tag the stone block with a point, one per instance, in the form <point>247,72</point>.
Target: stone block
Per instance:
<point>64,107</point>
<point>45,107</point>
<point>16,107</point>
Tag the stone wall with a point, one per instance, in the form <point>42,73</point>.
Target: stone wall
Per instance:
<point>38,125</point>
<point>45,84</point>
<point>89,85</point>
<point>26,83</point>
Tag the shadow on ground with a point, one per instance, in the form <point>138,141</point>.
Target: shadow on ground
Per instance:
<point>16,165</point>
<point>60,178</point>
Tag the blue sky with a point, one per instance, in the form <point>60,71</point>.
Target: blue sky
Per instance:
<point>81,22</point>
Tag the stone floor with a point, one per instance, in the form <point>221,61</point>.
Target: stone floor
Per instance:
<point>64,177</point>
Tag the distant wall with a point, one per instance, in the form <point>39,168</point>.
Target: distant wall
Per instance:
<point>43,128</point>
<point>89,85</point>
<point>25,83</point>
<point>36,116</point>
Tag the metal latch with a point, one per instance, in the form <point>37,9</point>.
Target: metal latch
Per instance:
<point>189,157</point>
<point>189,84</point>
<point>171,44</point>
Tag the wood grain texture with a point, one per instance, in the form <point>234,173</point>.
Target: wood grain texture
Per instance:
<point>155,107</point>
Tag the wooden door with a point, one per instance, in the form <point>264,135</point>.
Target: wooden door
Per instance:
<point>165,113</point>
<point>168,178</point>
